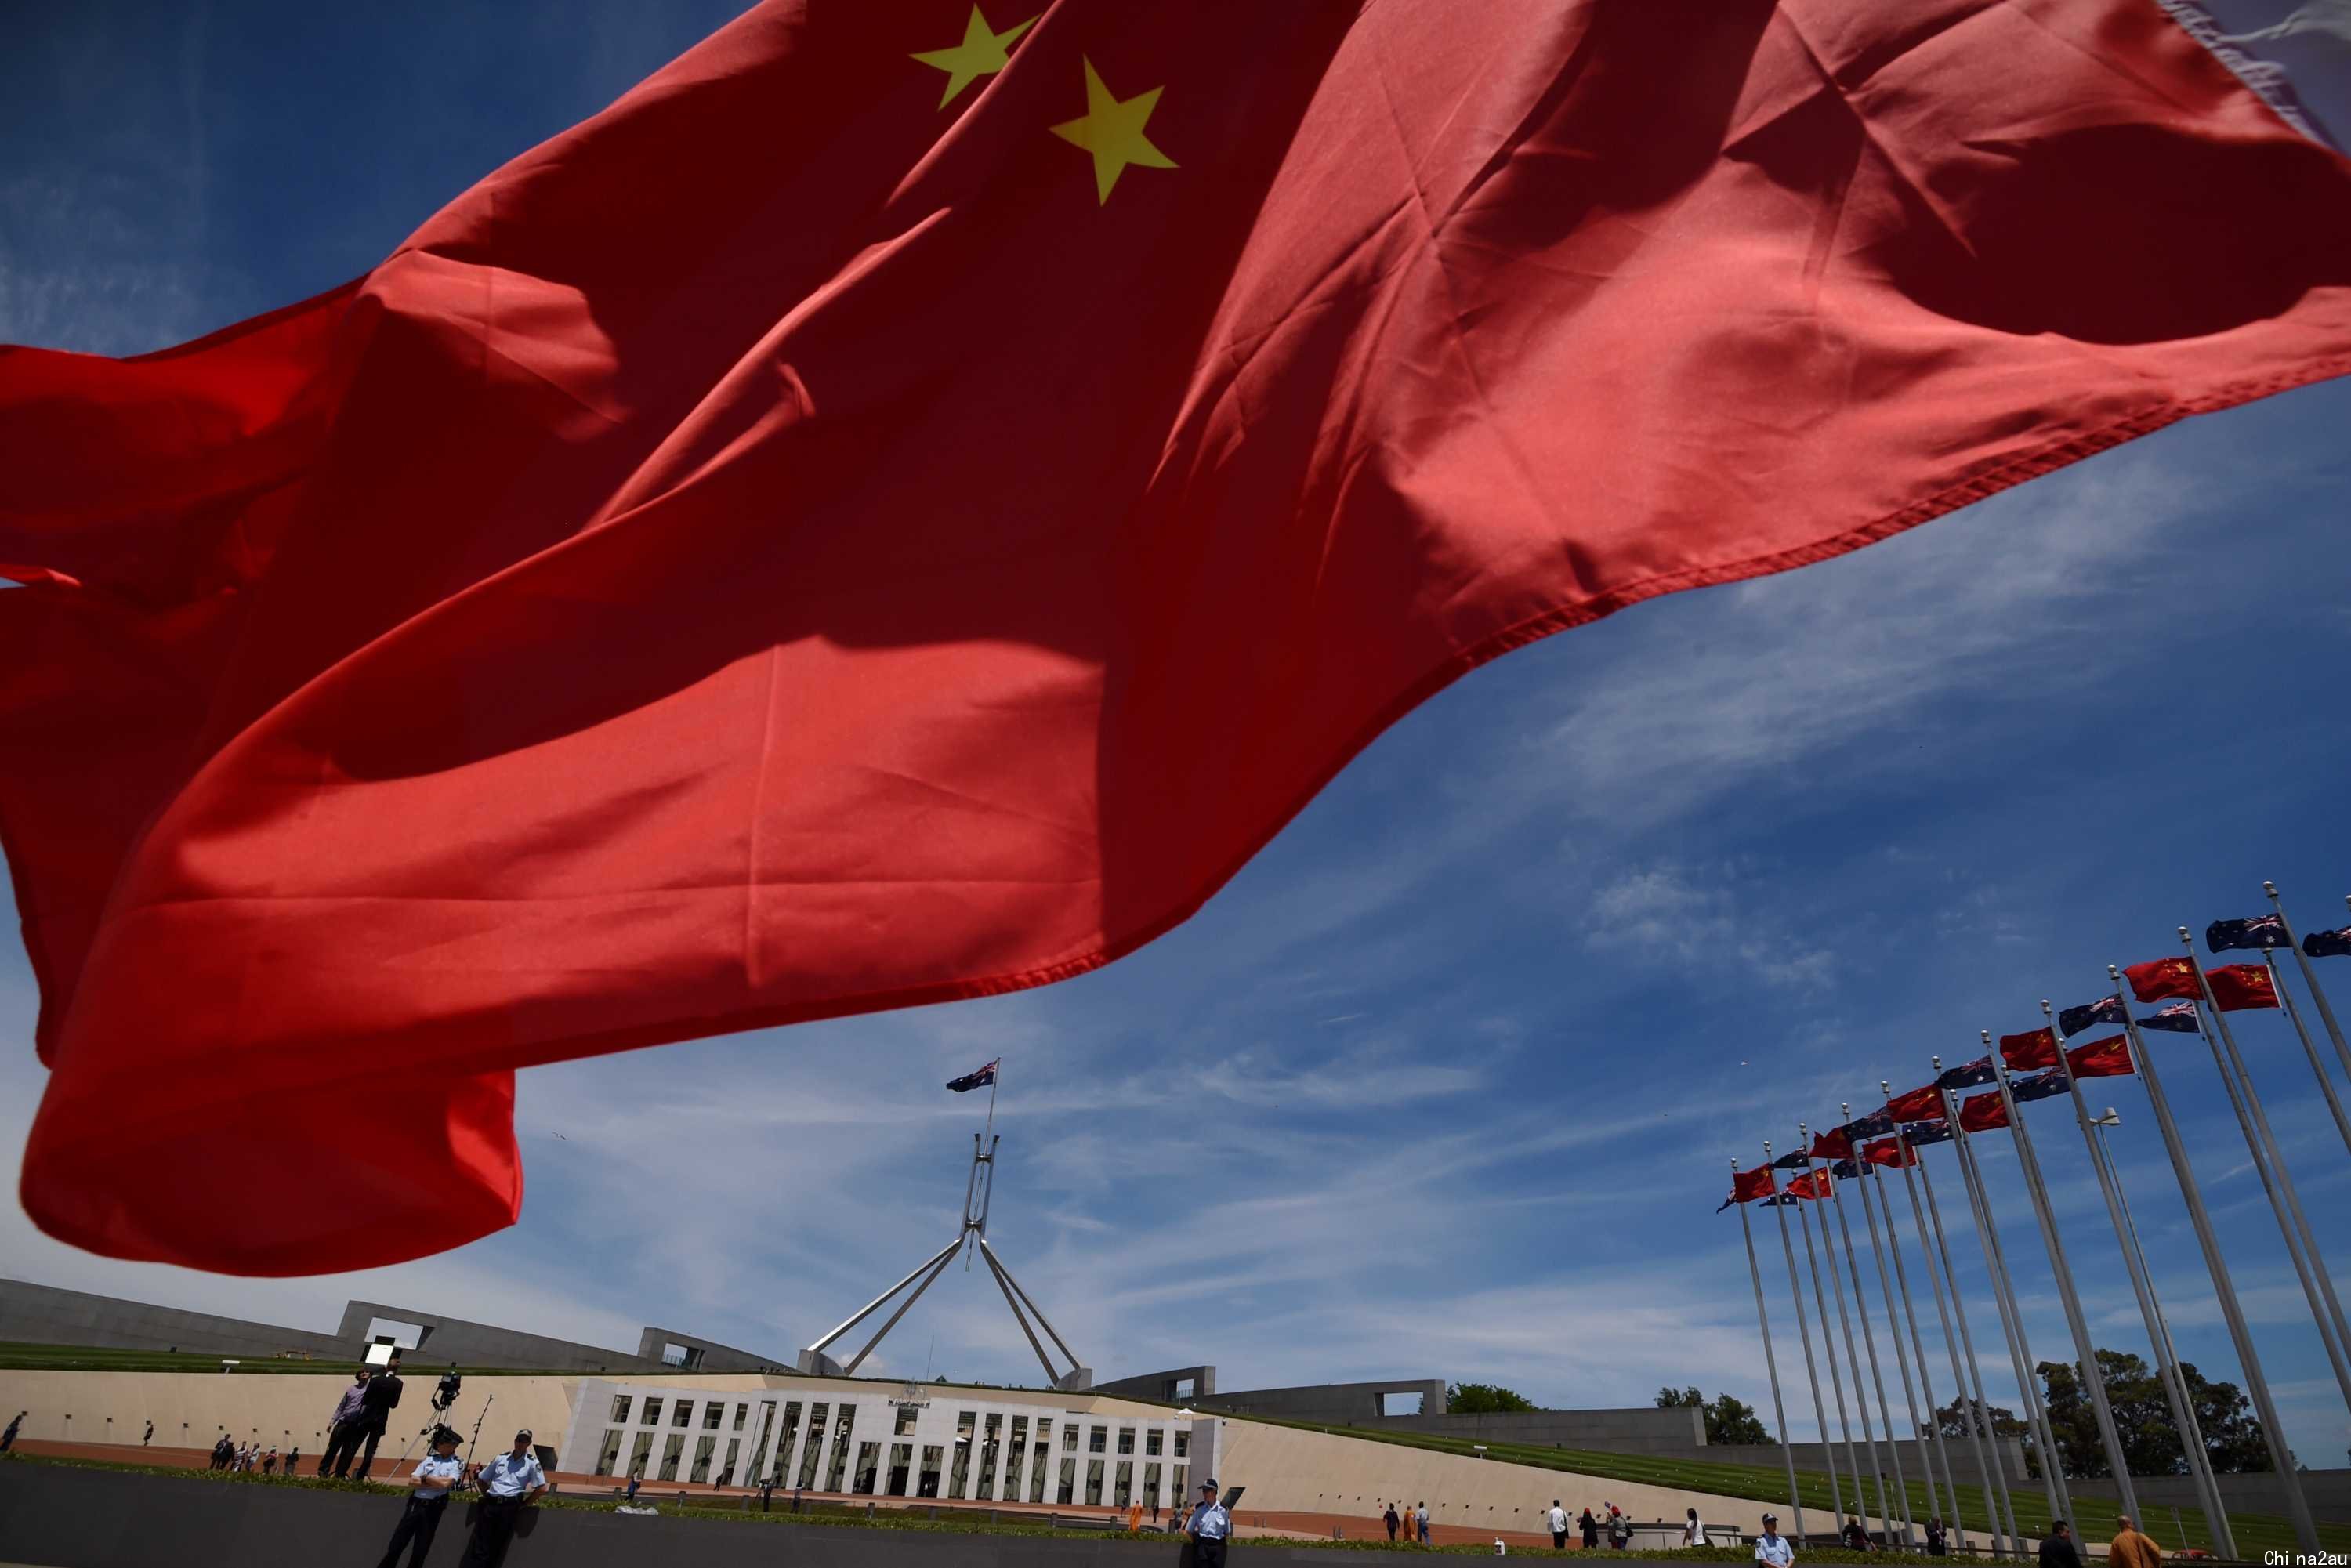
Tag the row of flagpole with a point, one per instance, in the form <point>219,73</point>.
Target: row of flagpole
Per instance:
<point>1934,1114</point>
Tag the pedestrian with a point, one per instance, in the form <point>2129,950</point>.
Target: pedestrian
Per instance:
<point>637,1478</point>
<point>1620,1528</point>
<point>2057,1547</point>
<point>1591,1528</point>
<point>147,1436</point>
<point>2130,1549</point>
<point>382,1397</point>
<point>343,1426</point>
<point>293,1457</point>
<point>1134,1515</point>
<point>1771,1548</point>
<point>1938,1544</point>
<point>1155,1506</point>
<point>1558,1526</point>
<point>1693,1533</point>
<point>1210,1527</point>
<point>8,1438</point>
<point>220,1454</point>
<point>437,1475</point>
<point>1391,1520</point>
<point>1856,1539</point>
<point>1420,1518</point>
<point>269,1461</point>
<point>510,1483</point>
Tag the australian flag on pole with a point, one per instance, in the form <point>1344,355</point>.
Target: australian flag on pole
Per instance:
<point>1870,1125</point>
<point>2327,944</point>
<point>1967,1075</point>
<point>2180,1017</point>
<point>2107,1009</point>
<point>1919,1134</point>
<point>971,1080</point>
<point>1793,1160</point>
<point>2261,931</point>
<point>2039,1086</point>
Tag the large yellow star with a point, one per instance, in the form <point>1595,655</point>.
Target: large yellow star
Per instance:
<point>982,53</point>
<point>1113,133</point>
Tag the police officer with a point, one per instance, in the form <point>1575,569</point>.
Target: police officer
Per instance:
<point>510,1483</point>
<point>436,1475</point>
<point>1210,1527</point>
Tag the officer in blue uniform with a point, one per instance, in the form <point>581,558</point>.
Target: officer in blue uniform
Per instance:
<point>1209,1528</point>
<point>436,1475</point>
<point>510,1483</point>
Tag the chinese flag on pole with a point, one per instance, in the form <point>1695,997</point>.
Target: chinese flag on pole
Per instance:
<point>904,505</point>
<point>2236,987</point>
<point>1982,1113</point>
<point>2023,1052</point>
<point>1746,1187</point>
<point>2107,1058</point>
<point>2160,977</point>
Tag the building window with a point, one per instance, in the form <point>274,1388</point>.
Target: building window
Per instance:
<point>652,1417</point>
<point>1093,1483</point>
<point>759,1443</point>
<point>1069,1437</point>
<point>610,1454</point>
<point>928,1483</point>
<point>1044,1455</point>
<point>683,1416</point>
<point>1123,1483</point>
<point>1182,1442</point>
<point>813,1449</point>
<point>1151,1485</point>
<point>701,1449</point>
<point>904,1426</point>
<point>989,1445</point>
<point>781,1466</point>
<point>619,1409</point>
<point>1150,1444</point>
<point>1096,1438</point>
<point>868,1459</point>
<point>1176,1498</point>
<point>640,1454</point>
<point>902,1459</point>
<point>741,1413</point>
<point>838,1471</point>
<point>1126,1439</point>
<point>960,1469</point>
<point>727,1470</point>
<point>714,1412</point>
<point>1067,1492</point>
<point>671,1450</point>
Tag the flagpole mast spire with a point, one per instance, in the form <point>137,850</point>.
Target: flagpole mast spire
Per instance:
<point>2257,1387</point>
<point>1934,1425</point>
<point>1852,1355</point>
<point>2175,1389</point>
<point>2269,1163</point>
<point>2317,1066</point>
<point>1901,1360</point>
<point>1828,1345</point>
<point>2310,976</point>
<point>1999,1507</point>
<point>1812,1372</point>
<point>2012,1318</point>
<point>1771,1363</point>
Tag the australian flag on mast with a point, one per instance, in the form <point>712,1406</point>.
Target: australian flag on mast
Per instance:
<point>971,1080</point>
<point>2261,931</point>
<point>1967,1075</point>
<point>2107,1009</point>
<point>2327,944</point>
<point>1919,1134</point>
<point>2180,1017</point>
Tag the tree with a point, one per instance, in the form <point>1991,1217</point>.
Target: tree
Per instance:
<point>1727,1420</point>
<point>2151,1440</point>
<point>1483,1399</point>
<point>1997,1419</point>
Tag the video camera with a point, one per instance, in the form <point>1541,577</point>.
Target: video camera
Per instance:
<point>445,1394</point>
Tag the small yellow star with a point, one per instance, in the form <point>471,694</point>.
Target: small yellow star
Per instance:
<point>982,53</point>
<point>1113,132</point>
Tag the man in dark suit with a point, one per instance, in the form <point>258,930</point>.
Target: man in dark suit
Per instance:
<point>376,1406</point>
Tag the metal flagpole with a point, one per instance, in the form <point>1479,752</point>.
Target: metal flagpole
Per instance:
<point>2276,1181</point>
<point>1828,1345</point>
<point>2012,1320</point>
<point>2093,1379</point>
<point>2294,1016</point>
<point>995,1080</point>
<point>1852,1355</point>
<point>1903,1152</point>
<point>2257,1387</point>
<point>1901,1357</point>
<point>1820,1413</point>
<point>2310,976</point>
<point>2000,1511</point>
<point>2175,1389</point>
<point>1770,1364</point>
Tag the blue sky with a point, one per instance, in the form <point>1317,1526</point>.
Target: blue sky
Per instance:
<point>1448,1081</point>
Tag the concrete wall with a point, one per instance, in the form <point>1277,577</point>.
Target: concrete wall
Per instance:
<point>44,1314</point>
<point>459,1341</point>
<point>705,1355</point>
<point>1349,1404</point>
<point>2328,1492</point>
<point>1643,1430</point>
<point>1161,1385</point>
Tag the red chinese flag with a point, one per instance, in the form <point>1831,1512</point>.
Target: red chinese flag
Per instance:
<point>1746,1187</point>
<point>2100,1059</point>
<point>902,507</point>
<point>2236,987</point>
<point>2160,977</point>
<point>1813,1183</point>
<point>1831,1146</point>
<point>1982,1113</point>
<point>1889,1151</point>
<point>1924,1104</point>
<point>2038,1049</point>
